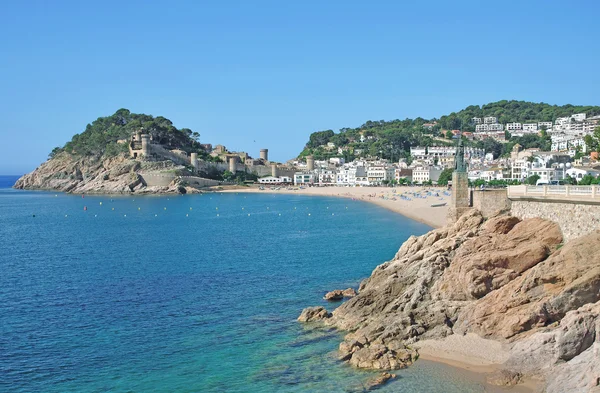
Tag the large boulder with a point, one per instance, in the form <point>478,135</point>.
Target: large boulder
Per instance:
<point>568,279</point>
<point>502,251</point>
<point>311,314</point>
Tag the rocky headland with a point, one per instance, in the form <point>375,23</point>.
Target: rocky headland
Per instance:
<point>502,290</point>
<point>101,175</point>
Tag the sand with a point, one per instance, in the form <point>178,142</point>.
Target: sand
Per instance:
<point>416,204</point>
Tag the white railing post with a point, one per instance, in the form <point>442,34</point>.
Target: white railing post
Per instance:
<point>525,189</point>
<point>568,190</point>
<point>545,190</point>
<point>594,189</point>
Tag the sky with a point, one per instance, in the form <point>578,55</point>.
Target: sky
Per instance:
<point>266,74</point>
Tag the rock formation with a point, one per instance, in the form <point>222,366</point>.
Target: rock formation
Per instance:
<point>502,279</point>
<point>339,294</point>
<point>311,314</point>
<point>115,175</point>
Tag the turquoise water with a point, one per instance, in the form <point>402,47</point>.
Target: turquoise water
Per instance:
<point>195,293</point>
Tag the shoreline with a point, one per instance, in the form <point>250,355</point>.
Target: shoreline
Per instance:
<point>416,206</point>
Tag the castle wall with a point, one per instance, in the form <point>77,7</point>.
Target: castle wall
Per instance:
<point>575,218</point>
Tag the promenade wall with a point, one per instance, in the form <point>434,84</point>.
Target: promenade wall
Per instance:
<point>575,218</point>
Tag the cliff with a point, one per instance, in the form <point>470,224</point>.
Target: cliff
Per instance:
<point>506,280</point>
<point>92,174</point>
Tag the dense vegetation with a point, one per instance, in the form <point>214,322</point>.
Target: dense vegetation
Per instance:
<point>100,137</point>
<point>393,139</point>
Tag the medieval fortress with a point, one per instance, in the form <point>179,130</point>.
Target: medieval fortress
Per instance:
<point>142,147</point>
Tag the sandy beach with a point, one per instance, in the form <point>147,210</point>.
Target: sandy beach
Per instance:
<point>411,202</point>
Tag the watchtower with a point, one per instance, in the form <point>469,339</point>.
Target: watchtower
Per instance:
<point>264,154</point>
<point>274,170</point>
<point>194,161</point>
<point>310,163</point>
<point>145,145</point>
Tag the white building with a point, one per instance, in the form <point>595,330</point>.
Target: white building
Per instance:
<point>482,127</point>
<point>496,127</point>
<point>530,127</point>
<point>304,178</point>
<point>579,172</point>
<point>275,180</point>
<point>420,174</point>
<point>513,127</point>
<point>476,120</point>
<point>376,175</point>
<point>348,174</point>
<point>490,120</point>
<point>418,152</point>
<point>578,116</point>
<point>546,124</point>
<point>327,176</point>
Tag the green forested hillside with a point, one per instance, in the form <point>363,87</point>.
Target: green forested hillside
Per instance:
<point>100,137</point>
<point>393,139</point>
<point>513,111</point>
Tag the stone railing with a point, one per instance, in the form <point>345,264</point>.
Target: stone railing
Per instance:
<point>559,192</point>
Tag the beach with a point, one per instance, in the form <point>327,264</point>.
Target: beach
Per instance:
<point>412,202</point>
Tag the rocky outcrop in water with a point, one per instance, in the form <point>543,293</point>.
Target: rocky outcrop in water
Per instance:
<point>503,279</point>
<point>339,294</point>
<point>312,314</point>
<point>115,175</point>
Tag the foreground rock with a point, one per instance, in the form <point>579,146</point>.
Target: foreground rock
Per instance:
<point>311,314</point>
<point>338,294</point>
<point>501,279</point>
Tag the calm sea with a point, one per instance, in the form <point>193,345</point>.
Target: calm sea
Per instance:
<point>187,293</point>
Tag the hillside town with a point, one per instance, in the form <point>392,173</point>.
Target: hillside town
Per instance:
<point>568,161</point>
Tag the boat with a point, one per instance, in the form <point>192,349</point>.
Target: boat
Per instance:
<point>438,204</point>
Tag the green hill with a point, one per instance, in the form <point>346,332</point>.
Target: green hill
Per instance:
<point>100,137</point>
<point>393,139</point>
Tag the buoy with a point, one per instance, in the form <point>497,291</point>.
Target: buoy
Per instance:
<point>267,207</point>
<point>85,208</point>
<point>124,215</point>
<point>139,208</point>
<point>309,214</point>
<point>217,214</point>
<point>280,214</point>
<point>113,208</point>
<point>65,215</point>
<point>156,215</point>
<point>242,208</point>
<point>95,215</point>
<point>216,208</point>
<point>165,208</point>
<point>248,214</point>
<point>100,203</point>
<point>294,208</point>
<point>333,214</point>
<point>190,208</point>
<point>187,215</point>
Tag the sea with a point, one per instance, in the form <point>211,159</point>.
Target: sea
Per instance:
<point>192,293</point>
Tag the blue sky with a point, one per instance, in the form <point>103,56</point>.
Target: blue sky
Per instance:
<point>265,74</point>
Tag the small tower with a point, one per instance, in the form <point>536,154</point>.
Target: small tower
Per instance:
<point>146,145</point>
<point>460,202</point>
<point>274,170</point>
<point>232,164</point>
<point>310,163</point>
<point>264,154</point>
<point>194,161</point>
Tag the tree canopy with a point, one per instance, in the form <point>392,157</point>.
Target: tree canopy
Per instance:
<point>101,136</point>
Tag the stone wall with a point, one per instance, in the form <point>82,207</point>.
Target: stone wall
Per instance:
<point>162,180</point>
<point>575,218</point>
<point>490,201</point>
